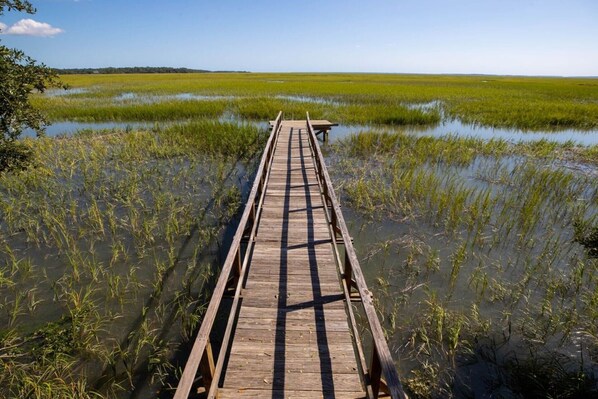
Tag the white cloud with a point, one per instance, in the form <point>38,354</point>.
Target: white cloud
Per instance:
<point>29,27</point>
<point>2,26</point>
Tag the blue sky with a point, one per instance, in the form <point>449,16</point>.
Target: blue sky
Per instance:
<point>523,37</point>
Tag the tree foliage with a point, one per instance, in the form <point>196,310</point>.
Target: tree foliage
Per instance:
<point>20,75</point>
<point>16,5</point>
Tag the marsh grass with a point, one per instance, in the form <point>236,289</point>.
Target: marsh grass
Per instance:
<point>107,246</point>
<point>250,108</point>
<point>488,280</point>
<point>94,110</point>
<point>524,103</point>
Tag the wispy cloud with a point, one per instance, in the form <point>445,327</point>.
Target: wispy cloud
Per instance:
<point>30,27</point>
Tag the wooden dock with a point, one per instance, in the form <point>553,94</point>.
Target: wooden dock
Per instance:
<point>291,330</point>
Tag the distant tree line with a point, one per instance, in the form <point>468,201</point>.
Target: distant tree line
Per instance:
<point>112,70</point>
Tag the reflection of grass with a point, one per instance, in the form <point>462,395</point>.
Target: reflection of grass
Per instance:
<point>550,375</point>
<point>496,280</point>
<point>528,103</point>
<point>106,254</point>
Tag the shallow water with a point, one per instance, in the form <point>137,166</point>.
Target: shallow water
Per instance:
<point>69,92</point>
<point>69,128</point>
<point>150,98</point>
<point>307,99</point>
<point>459,129</point>
<point>147,302</point>
<point>455,127</point>
<point>394,250</point>
<point>154,98</point>
<point>447,126</point>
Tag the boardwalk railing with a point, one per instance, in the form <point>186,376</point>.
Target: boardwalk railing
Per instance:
<point>231,275</point>
<point>381,374</point>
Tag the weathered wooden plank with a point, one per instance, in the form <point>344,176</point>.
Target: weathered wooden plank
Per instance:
<point>305,273</point>
<point>306,314</point>
<point>292,303</point>
<point>313,192</point>
<point>292,324</point>
<point>244,393</point>
<point>290,262</point>
<point>274,277</point>
<point>325,287</point>
<point>342,358</point>
<point>315,381</point>
<point>291,337</point>
<point>289,226</point>
<point>249,364</point>
<point>327,347</point>
<point>294,237</point>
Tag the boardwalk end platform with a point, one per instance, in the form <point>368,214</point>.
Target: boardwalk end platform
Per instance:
<point>291,330</point>
<point>321,127</point>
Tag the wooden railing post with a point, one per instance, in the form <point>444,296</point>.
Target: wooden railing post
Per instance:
<point>238,264</point>
<point>206,366</point>
<point>252,214</point>
<point>334,222</point>
<point>348,276</point>
<point>375,371</point>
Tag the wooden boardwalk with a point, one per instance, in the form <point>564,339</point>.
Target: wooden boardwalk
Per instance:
<point>291,331</point>
<point>292,337</point>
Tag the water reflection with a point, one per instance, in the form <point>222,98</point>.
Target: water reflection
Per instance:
<point>459,129</point>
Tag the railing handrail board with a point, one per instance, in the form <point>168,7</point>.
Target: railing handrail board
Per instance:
<point>190,371</point>
<point>381,349</point>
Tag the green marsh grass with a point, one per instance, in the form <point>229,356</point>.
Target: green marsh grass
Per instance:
<point>107,245</point>
<point>498,286</point>
<point>519,102</point>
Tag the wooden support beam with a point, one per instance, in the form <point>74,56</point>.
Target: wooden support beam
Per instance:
<point>375,371</point>
<point>348,272</point>
<point>384,387</point>
<point>206,366</point>
<point>238,264</point>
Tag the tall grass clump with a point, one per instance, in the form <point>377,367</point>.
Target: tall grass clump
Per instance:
<point>215,138</point>
<point>384,114</point>
<point>98,110</point>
